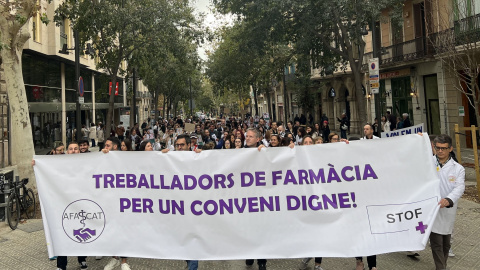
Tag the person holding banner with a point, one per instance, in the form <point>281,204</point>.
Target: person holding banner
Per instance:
<point>452,186</point>
<point>73,148</point>
<point>183,143</point>
<point>252,139</point>
<point>114,144</point>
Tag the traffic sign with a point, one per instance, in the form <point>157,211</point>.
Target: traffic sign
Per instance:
<point>373,70</point>
<point>80,86</point>
<point>81,100</point>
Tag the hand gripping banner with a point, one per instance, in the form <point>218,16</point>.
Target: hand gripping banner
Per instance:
<point>355,199</point>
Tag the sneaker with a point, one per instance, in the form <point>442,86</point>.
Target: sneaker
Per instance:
<point>83,265</point>
<point>304,263</point>
<point>318,267</point>
<point>59,268</point>
<point>125,266</point>
<point>450,253</point>
<point>98,257</point>
<point>262,267</point>
<point>53,258</point>
<point>112,264</point>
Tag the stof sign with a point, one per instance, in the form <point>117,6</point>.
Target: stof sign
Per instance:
<point>374,74</point>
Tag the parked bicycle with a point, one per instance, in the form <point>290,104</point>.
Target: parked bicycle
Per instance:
<point>20,202</point>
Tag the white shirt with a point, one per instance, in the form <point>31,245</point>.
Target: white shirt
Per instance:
<point>373,137</point>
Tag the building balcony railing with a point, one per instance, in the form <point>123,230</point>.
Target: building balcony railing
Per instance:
<point>467,29</point>
<point>463,33</point>
<point>399,53</point>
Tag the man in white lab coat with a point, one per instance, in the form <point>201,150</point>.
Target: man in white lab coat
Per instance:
<point>452,186</point>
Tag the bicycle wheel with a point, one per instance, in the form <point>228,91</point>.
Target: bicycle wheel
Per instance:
<point>13,211</point>
<point>30,205</point>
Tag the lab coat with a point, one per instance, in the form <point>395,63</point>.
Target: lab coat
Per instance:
<point>452,186</point>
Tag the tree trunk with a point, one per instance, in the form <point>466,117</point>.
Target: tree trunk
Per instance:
<point>22,149</point>
<point>269,102</point>
<point>285,98</point>
<point>254,88</point>
<point>359,97</point>
<point>111,104</point>
<point>175,107</point>
<point>164,105</point>
<point>155,105</point>
<point>169,104</point>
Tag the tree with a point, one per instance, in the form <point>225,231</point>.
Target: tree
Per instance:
<point>118,28</point>
<point>330,30</point>
<point>14,32</point>
<point>238,61</point>
<point>458,48</point>
<point>169,69</point>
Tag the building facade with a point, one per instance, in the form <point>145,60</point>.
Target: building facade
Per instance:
<point>50,82</point>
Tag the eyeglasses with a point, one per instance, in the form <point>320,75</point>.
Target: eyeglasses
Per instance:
<point>180,145</point>
<point>441,148</point>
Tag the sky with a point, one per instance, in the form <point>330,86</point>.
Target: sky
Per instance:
<point>212,21</point>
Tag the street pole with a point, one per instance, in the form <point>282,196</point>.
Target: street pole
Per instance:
<point>378,113</point>
<point>78,117</point>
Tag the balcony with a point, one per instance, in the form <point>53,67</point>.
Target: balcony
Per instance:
<point>467,30</point>
<point>400,53</point>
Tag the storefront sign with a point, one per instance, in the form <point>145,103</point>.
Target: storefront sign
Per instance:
<point>395,74</point>
<point>461,111</point>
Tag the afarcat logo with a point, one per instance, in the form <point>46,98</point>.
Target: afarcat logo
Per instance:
<point>83,221</point>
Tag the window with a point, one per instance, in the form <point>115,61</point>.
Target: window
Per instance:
<point>65,33</point>
<point>36,27</point>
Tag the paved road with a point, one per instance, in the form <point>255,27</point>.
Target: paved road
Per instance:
<point>25,248</point>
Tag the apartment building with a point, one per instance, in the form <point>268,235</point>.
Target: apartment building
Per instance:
<point>413,78</point>
<point>50,83</point>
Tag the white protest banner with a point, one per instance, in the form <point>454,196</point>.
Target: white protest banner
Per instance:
<point>245,203</point>
<point>404,131</point>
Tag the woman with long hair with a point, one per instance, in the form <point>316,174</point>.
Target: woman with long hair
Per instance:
<point>275,140</point>
<point>300,134</point>
<point>146,146</point>
<point>126,145</point>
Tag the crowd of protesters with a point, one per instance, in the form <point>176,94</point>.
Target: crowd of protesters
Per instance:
<point>232,133</point>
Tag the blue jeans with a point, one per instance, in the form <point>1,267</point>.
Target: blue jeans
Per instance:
<point>192,265</point>
<point>343,134</point>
